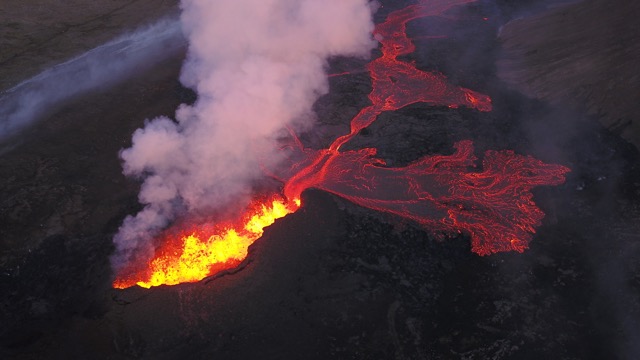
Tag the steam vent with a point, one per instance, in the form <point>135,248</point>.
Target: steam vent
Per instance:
<point>319,179</point>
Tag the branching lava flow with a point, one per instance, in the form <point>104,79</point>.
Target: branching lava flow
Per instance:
<point>443,193</point>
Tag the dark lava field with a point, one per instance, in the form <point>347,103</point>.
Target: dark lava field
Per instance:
<point>333,280</point>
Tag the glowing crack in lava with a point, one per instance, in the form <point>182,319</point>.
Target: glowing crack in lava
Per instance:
<point>443,193</point>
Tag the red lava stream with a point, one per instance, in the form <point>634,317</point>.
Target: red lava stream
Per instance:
<point>443,193</point>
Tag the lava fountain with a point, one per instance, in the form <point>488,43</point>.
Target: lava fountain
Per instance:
<point>200,251</point>
<point>443,193</point>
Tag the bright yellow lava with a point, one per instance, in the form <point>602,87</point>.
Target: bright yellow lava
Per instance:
<point>198,258</point>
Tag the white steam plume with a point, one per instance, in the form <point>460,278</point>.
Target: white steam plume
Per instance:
<point>257,66</point>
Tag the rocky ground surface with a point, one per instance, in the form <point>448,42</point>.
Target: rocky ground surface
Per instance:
<point>582,55</point>
<point>332,280</point>
<point>37,34</point>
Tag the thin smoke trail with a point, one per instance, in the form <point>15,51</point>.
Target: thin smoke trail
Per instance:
<point>101,67</point>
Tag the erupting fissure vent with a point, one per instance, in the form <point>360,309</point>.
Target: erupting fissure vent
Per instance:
<point>444,193</point>
<point>207,249</point>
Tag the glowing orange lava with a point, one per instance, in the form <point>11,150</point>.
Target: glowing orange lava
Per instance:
<point>446,193</point>
<point>208,249</point>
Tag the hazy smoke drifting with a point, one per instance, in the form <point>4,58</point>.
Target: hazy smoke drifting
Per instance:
<point>257,66</point>
<point>103,66</point>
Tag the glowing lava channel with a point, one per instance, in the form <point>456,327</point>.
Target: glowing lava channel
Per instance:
<point>440,192</point>
<point>207,249</point>
<point>397,84</point>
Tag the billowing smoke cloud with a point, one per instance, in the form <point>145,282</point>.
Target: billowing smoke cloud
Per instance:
<point>100,67</point>
<point>257,66</point>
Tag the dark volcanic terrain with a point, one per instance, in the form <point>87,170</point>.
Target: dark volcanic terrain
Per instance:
<point>331,281</point>
<point>38,34</point>
<point>584,56</point>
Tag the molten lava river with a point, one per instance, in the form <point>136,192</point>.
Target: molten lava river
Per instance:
<point>443,193</point>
